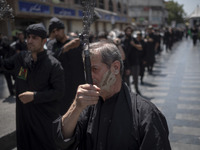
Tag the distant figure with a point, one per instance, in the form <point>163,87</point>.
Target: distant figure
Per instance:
<point>6,51</point>
<point>21,44</point>
<point>152,45</point>
<point>194,32</point>
<point>51,38</point>
<point>132,47</point>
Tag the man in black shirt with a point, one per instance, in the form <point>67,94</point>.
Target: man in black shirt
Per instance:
<point>107,115</point>
<point>142,55</point>
<point>152,45</point>
<point>194,32</point>
<point>69,53</point>
<point>39,87</point>
<point>132,48</point>
<point>168,39</point>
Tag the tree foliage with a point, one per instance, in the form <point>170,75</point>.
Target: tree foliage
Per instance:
<point>175,12</point>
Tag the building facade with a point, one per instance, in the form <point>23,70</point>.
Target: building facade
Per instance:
<point>194,17</point>
<point>112,14</point>
<point>148,12</point>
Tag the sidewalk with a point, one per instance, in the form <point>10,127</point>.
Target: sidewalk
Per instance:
<point>7,117</point>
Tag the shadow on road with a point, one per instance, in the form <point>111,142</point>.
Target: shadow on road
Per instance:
<point>148,84</point>
<point>10,99</point>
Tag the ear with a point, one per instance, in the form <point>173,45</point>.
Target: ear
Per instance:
<point>44,41</point>
<point>116,67</point>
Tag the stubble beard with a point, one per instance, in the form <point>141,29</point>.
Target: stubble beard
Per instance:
<point>107,81</point>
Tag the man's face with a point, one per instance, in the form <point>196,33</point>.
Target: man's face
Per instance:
<point>21,36</point>
<point>102,76</point>
<point>59,34</point>
<point>35,43</point>
<point>139,37</point>
<point>128,32</point>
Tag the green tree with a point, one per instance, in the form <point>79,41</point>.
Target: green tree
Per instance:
<point>175,12</point>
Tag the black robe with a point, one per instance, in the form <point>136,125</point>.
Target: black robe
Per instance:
<point>46,79</point>
<point>150,51</point>
<point>72,63</point>
<point>136,124</point>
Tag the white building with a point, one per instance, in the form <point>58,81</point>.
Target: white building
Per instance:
<point>195,17</point>
<point>147,12</point>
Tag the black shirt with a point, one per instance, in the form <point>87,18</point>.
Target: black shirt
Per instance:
<point>105,119</point>
<point>136,124</point>
<point>21,46</point>
<point>72,64</point>
<point>134,57</point>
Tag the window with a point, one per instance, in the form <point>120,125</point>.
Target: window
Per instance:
<point>101,4</point>
<point>77,1</point>
<point>110,5</point>
<point>118,7</point>
<point>125,9</point>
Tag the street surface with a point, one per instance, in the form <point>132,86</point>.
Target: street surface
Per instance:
<point>174,88</point>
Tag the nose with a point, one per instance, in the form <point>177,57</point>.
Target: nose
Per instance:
<point>93,77</point>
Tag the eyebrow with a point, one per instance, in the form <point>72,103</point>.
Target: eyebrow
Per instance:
<point>33,35</point>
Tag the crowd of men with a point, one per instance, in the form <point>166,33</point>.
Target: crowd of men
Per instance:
<point>137,57</point>
<point>47,76</point>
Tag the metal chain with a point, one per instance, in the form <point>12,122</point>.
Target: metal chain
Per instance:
<point>88,13</point>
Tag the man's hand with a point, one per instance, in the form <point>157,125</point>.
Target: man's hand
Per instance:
<point>26,97</point>
<point>75,42</point>
<point>150,40</point>
<point>87,95</point>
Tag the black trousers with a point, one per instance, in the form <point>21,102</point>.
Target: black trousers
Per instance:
<point>135,72</point>
<point>9,77</point>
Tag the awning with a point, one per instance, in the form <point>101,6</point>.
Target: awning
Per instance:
<point>195,13</point>
<point>105,11</point>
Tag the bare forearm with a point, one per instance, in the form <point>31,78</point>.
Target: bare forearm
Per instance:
<point>69,120</point>
<point>72,44</point>
<point>66,48</point>
<point>138,46</point>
